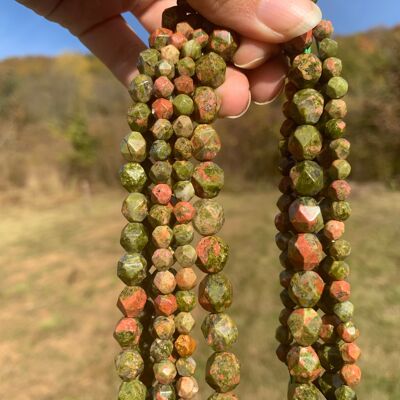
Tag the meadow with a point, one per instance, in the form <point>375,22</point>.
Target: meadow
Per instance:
<point>58,290</point>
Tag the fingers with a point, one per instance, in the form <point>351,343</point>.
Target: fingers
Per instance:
<point>273,21</point>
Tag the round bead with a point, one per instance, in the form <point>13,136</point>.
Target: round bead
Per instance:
<point>164,327</point>
<point>331,67</point>
<point>323,30</point>
<point>335,128</point>
<point>133,147</point>
<point>162,109</point>
<point>327,48</point>
<point>184,322</point>
<point>132,269</point>
<point>209,217</point>
<point>139,117</point>
<point>336,108</point>
<point>132,177</point>
<point>350,352</point>
<point>305,324</point>
<point>339,170</point>
<point>338,190</point>
<point>336,270</point>
<point>128,332</point>
<point>162,259</point>
<point>306,288</point>
<point>161,350</point>
<point>340,290</point>
<point>220,331</point>
<point>129,364</point>
<point>134,207</point>
<point>161,194</point>
<point>191,49</point>
<point>134,237</point>
<point>187,387</point>
<point>223,372</point>
<point>336,87</point>
<point>344,311</point>
<point>133,390</point>
<point>215,293</point>
<point>183,234</point>
<point>184,85</point>
<point>340,249</point>
<point>141,88</point>
<point>162,236</point>
<point>160,150</point>
<point>185,345</point>
<point>186,278</point>
<point>164,371</point>
<point>212,254</point>
<point>186,366</point>
<point>183,105</point>
<point>211,70</point>
<point>334,230</point>
<point>206,143</point>
<point>131,301</point>
<point>163,87</point>
<point>307,178</point>
<point>348,332</point>
<point>208,180</point>
<point>303,363</point>
<point>165,282</point>
<point>170,53</point>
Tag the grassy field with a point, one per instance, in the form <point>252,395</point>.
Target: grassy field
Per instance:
<point>58,289</point>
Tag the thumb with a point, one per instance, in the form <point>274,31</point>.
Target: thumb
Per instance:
<point>273,21</point>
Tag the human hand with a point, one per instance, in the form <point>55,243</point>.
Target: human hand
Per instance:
<point>263,24</point>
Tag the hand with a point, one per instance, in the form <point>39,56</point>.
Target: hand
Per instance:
<point>262,24</point>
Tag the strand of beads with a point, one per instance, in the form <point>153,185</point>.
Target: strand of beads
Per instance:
<point>319,350</point>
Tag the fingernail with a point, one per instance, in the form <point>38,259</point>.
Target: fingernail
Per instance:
<point>252,64</point>
<point>279,92</point>
<point>289,18</point>
<point>244,112</point>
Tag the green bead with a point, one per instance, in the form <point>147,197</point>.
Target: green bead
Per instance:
<point>183,234</point>
<point>307,178</point>
<point>134,237</point>
<point>162,129</point>
<point>184,190</point>
<point>162,236</point>
<point>345,393</point>
<point>160,172</point>
<point>163,392</point>
<point>184,322</point>
<point>164,327</point>
<point>161,350</point>
<point>183,105</point>
<point>148,60</point>
<point>223,396</point>
<point>336,270</point>
<point>211,70</point>
<point>139,116</point>
<point>306,288</point>
<point>208,180</point>
<point>159,38</point>
<point>331,67</point>
<point>220,331</point>
<point>160,150</point>
<point>303,364</point>
<point>339,170</point>
<point>183,149</point>
<point>305,324</point>
<point>339,149</point>
<point>186,66</point>
<point>336,87</point>
<point>336,210</point>
<point>129,364</point>
<point>336,108</point>
<point>306,70</point>
<point>183,126</point>
<point>183,170</point>
<point>134,390</point>
<point>330,357</point>
<point>185,255</point>
<point>141,88</point>
<point>206,143</point>
<point>335,128</point>
<point>223,43</point>
<point>328,48</point>
<point>223,372</point>
<point>134,207</point>
<point>305,143</point>
<point>165,68</point>
<point>344,311</point>
<point>160,215</point>
<point>128,332</point>
<point>186,366</point>
<point>164,371</point>
<point>212,253</point>
<point>209,217</point>
<point>133,147</point>
<point>133,177</point>
<point>303,391</point>
<point>340,249</point>
<point>215,293</point>
<point>132,269</point>
<point>186,300</point>
<point>192,49</point>
<point>307,106</point>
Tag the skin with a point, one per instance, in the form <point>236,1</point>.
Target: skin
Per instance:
<point>260,68</point>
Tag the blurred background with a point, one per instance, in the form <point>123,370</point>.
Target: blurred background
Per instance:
<point>61,121</point>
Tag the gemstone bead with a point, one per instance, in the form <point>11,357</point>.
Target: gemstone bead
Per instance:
<point>335,128</point>
<point>307,106</point>
<point>336,108</point>
<point>134,207</point>
<point>215,293</point>
<point>303,391</point>
<point>162,259</point>
<point>165,282</point>
<point>305,215</point>
<point>183,170</point>
<point>159,38</point>
<point>178,39</point>
<point>305,251</point>
<point>340,290</point>
<point>160,215</point>
<point>223,372</point>
<point>132,269</point>
<point>339,170</point>
<point>345,393</point>
<point>209,217</point>
<point>220,331</point>
<point>336,87</point>
<point>187,387</point>
<point>161,350</point>
<point>131,301</point>
<point>201,37</point>
<point>330,358</point>
<point>186,278</point>
<point>133,147</point>
<point>191,49</point>
<point>327,48</point>
<point>183,105</point>
<point>129,364</point>
<point>305,324</point>
<point>183,149</point>
<point>164,371</point>
<point>206,143</point>
<point>303,363</point>
<point>348,332</point>
<point>133,390</point>
<point>185,345</point>
<point>186,300</point>
<point>306,70</point>
<point>134,237</point>
<point>351,374</point>
<point>139,117</point>
<point>141,88</point>
<point>186,66</point>
<point>307,178</point>
<point>132,177</point>
<point>183,234</point>
<point>336,270</point>
<point>211,70</point>
<point>305,143</point>
<point>183,126</point>
<point>212,254</point>
<point>128,332</point>
<point>165,304</point>
<point>344,311</point>
<point>350,352</point>
<point>170,53</point>
<point>186,366</point>
<point>208,180</point>
<point>160,150</point>
<point>163,392</point>
<point>223,43</point>
<point>306,288</point>
<point>206,104</point>
<point>164,327</point>
<point>184,322</point>
<point>223,396</point>
<point>323,30</point>
<point>186,255</point>
<point>160,172</point>
<point>162,109</point>
<point>184,85</point>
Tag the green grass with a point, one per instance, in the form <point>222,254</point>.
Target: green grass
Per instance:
<point>58,289</point>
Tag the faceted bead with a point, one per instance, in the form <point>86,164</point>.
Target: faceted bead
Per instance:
<point>183,126</point>
<point>132,269</point>
<point>163,87</point>
<point>141,88</point>
<point>303,391</point>
<point>164,371</point>
<point>208,180</point>
<point>350,352</point>
<point>163,392</point>
<point>134,207</point>
<point>160,150</point>
<point>162,236</point>
<point>298,44</point>
<point>186,300</point>
<point>131,301</point>
<point>162,259</point>
<point>206,104</point>
<point>339,170</point>
<point>223,372</point>
<point>159,38</point>
<point>129,364</point>
<point>184,85</point>
<point>209,217</point>
<point>340,249</point>
<point>334,230</point>
<point>330,358</point>
<point>307,178</point>
<point>351,374</point>
<point>183,149</point>
<point>178,39</point>
<point>183,105</point>
<point>327,48</point>
<point>305,251</point>
<point>223,43</point>
<point>336,108</point>
<point>134,237</point>
<point>161,194</point>
<point>186,255</point>
<point>161,350</point>
<point>340,291</point>
<point>336,270</point>
<point>306,70</point>
<point>165,304</point>
<point>303,363</point>
<point>201,37</point>
<point>339,148</point>
<point>211,70</point>
<point>163,109</point>
<point>128,332</point>
<point>337,210</point>
<point>148,60</point>
<point>160,215</point>
<point>160,172</point>
<point>184,191</point>
<point>306,288</point>
<point>164,327</point>
<point>335,128</point>
<point>183,234</point>
<point>305,324</point>
<point>133,390</point>
<point>184,212</point>
<point>344,311</point>
<point>338,190</point>
<point>331,67</point>
<point>283,335</point>
<point>220,331</point>
<point>323,30</point>
<point>184,322</point>
<point>205,142</point>
<point>185,28</point>
<point>133,177</point>
<point>186,66</point>
<point>186,366</point>
<point>170,53</point>
<point>186,278</point>
<point>162,129</point>
<point>185,345</point>
<point>133,147</point>
<point>215,293</point>
<point>328,329</point>
<point>165,282</point>
<point>348,332</point>
<point>305,143</point>
<point>192,49</point>
<point>212,254</point>
<point>305,215</point>
<point>337,87</point>
<point>139,116</point>
<point>307,106</point>
<point>187,387</point>
<point>345,393</point>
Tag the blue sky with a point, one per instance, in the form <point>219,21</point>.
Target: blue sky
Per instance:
<point>24,33</point>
